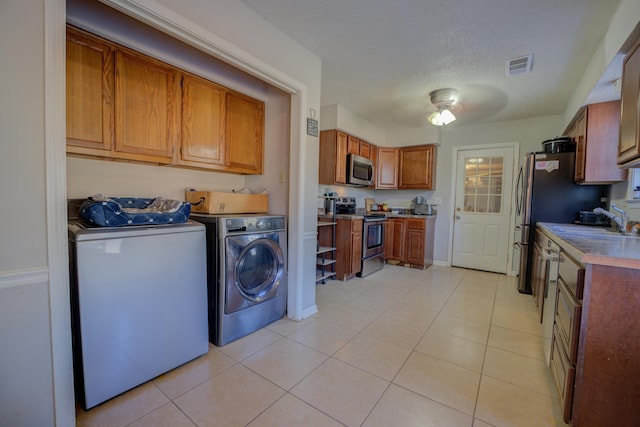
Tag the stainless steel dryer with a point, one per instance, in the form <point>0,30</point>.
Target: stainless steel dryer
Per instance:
<point>246,273</point>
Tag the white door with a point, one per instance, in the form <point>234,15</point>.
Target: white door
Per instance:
<point>482,211</point>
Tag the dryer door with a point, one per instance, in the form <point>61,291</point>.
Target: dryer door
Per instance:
<point>254,270</point>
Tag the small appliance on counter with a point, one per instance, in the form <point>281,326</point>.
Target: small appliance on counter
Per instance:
<point>420,207</point>
<point>592,218</point>
<point>346,205</point>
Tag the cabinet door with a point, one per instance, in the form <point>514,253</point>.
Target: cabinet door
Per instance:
<point>341,158</point>
<point>387,165</point>
<point>397,239</point>
<point>89,68</point>
<point>332,168</point>
<point>417,167</point>
<point>415,245</point>
<point>203,114</point>
<point>356,246</point>
<point>353,145</point>
<point>629,145</point>
<point>365,149</point>
<point>597,134</point>
<point>538,278</point>
<point>147,107</point>
<point>244,137</point>
<point>581,146</point>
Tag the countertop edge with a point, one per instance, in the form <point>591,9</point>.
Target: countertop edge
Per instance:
<point>579,248</point>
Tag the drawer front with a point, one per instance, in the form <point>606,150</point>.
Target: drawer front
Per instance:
<point>564,375</point>
<point>567,319</point>
<point>416,224</point>
<point>573,275</point>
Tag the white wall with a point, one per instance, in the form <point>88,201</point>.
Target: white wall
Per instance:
<point>26,376</point>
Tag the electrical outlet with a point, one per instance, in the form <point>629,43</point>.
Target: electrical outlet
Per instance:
<point>437,200</point>
<point>281,177</point>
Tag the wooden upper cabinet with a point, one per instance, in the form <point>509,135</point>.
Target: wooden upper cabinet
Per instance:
<point>629,143</point>
<point>353,145</point>
<point>244,135</point>
<point>147,107</point>
<point>417,167</point>
<point>366,150</point>
<point>124,105</point>
<point>332,157</point>
<point>89,69</point>
<point>203,123</point>
<point>387,167</point>
<point>596,131</point>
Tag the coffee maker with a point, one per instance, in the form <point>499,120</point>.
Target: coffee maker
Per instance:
<point>420,207</point>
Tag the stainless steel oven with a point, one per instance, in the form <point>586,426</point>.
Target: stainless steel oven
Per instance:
<point>372,244</point>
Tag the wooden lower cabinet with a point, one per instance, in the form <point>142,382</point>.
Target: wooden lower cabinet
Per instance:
<point>348,248</point>
<point>409,241</point>
<point>607,389</point>
<point>595,356</point>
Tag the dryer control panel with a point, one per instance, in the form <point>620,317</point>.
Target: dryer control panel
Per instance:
<point>253,224</point>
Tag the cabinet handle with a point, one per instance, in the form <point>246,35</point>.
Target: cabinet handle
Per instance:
<point>550,255</point>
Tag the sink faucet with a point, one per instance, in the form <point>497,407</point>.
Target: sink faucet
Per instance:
<point>621,220</point>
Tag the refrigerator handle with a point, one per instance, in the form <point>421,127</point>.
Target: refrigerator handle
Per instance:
<point>519,190</point>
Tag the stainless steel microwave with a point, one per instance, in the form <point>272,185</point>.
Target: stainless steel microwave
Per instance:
<point>359,170</point>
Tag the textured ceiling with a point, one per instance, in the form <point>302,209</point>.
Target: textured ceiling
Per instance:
<point>380,58</point>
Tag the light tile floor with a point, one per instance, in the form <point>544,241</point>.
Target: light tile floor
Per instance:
<point>403,347</point>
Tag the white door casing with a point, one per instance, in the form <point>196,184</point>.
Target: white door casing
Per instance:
<point>483,207</point>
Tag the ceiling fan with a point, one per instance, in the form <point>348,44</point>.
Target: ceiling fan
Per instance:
<point>446,102</point>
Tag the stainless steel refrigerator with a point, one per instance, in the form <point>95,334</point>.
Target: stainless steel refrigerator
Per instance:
<point>545,192</point>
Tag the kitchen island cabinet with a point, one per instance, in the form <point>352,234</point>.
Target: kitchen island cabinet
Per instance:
<point>597,328</point>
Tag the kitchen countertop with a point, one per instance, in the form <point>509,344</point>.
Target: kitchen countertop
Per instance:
<point>387,215</point>
<point>594,245</point>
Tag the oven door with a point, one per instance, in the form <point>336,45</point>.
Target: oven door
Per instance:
<point>372,238</point>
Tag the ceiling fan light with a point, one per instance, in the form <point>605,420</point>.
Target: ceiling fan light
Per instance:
<point>446,117</point>
<point>441,117</point>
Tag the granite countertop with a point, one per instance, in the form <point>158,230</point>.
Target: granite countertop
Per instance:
<point>386,214</point>
<point>594,245</point>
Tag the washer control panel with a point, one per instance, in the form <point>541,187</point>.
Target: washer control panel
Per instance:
<point>254,224</point>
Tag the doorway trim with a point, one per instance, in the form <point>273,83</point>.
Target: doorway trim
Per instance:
<point>512,217</point>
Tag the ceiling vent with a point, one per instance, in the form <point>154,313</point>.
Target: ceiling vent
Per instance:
<point>517,66</point>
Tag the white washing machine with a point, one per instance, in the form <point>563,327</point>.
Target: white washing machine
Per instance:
<point>246,273</point>
<point>137,304</point>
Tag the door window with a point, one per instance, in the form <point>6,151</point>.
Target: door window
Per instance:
<point>483,185</point>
